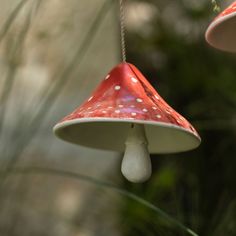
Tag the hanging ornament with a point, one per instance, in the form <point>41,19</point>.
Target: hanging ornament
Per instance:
<point>221,33</point>
<point>126,114</point>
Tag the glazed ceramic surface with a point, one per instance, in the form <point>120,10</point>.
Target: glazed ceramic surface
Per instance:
<point>125,97</point>
<point>221,33</point>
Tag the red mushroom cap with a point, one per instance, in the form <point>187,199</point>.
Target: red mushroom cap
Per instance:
<point>221,33</point>
<point>122,98</point>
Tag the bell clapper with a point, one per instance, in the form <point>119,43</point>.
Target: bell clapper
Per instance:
<point>136,165</point>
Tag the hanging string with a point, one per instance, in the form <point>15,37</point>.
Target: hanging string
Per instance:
<point>122,30</point>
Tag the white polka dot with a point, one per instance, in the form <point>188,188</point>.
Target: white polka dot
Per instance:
<point>104,112</point>
<point>157,97</point>
<point>90,99</point>
<point>89,108</point>
<point>110,107</point>
<point>90,112</point>
<point>154,108</point>
<point>134,80</point>
<point>145,110</point>
<point>117,87</point>
<point>178,121</point>
<point>120,106</point>
<point>107,77</point>
<point>167,111</point>
<point>132,106</point>
<point>133,114</point>
<point>181,118</point>
<point>117,111</point>
<point>139,100</point>
<point>158,116</point>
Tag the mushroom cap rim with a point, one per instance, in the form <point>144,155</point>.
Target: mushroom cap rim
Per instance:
<point>66,123</point>
<point>214,23</point>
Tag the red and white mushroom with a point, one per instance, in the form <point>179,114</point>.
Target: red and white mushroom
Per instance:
<point>221,33</point>
<point>126,114</point>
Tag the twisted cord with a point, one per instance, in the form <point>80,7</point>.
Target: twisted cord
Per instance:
<point>122,30</point>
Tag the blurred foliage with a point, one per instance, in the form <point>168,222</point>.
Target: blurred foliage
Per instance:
<point>165,40</point>
<point>198,187</point>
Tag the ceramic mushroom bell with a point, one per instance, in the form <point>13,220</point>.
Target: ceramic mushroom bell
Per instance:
<point>126,114</point>
<point>221,33</point>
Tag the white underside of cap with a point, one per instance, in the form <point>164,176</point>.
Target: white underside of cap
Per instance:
<point>221,33</point>
<point>110,134</point>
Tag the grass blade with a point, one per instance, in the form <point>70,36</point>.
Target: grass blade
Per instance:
<point>102,184</point>
<point>54,91</point>
<point>11,18</point>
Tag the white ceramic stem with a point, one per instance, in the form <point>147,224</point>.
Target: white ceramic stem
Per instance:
<point>136,165</point>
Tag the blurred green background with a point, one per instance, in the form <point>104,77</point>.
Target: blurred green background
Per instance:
<point>52,55</point>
